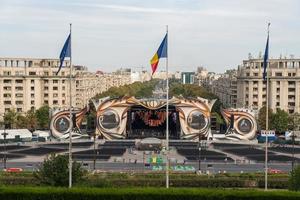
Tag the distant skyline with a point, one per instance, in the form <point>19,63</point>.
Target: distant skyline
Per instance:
<point>110,34</point>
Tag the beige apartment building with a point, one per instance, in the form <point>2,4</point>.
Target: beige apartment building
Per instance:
<point>225,87</point>
<point>29,83</point>
<point>284,91</point>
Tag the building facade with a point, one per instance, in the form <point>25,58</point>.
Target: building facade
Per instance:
<point>225,87</point>
<point>29,83</point>
<point>284,84</point>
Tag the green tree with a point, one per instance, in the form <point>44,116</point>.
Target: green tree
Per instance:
<point>280,120</point>
<point>21,121</point>
<point>31,120</point>
<point>42,116</point>
<point>294,122</point>
<point>294,179</point>
<point>54,171</point>
<point>10,118</point>
<point>262,117</point>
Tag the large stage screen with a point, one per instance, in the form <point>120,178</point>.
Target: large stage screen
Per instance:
<point>143,123</point>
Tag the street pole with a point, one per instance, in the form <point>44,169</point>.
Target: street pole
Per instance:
<point>199,155</point>
<point>4,155</point>
<point>95,151</point>
<point>293,142</point>
<point>167,119</point>
<point>71,121</point>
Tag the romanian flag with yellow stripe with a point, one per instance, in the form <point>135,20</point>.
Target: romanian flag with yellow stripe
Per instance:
<point>162,52</point>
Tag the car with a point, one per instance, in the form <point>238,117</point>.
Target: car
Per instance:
<point>13,169</point>
<point>275,171</point>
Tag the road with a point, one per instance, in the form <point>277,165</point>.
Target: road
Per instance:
<point>118,166</point>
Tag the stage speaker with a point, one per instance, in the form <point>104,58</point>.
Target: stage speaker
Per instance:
<point>231,121</point>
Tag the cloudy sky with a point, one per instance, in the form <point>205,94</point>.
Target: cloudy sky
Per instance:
<point>109,34</point>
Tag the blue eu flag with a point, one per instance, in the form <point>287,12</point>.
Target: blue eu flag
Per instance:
<point>65,52</point>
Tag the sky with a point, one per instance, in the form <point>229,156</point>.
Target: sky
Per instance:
<point>110,34</point>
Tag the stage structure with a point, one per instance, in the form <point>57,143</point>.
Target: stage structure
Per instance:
<point>241,124</point>
<point>60,124</point>
<point>131,118</point>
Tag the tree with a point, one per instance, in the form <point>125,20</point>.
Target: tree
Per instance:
<point>21,121</point>
<point>294,179</point>
<point>10,118</point>
<point>294,122</point>
<point>54,171</point>
<point>280,120</point>
<point>31,120</point>
<point>42,116</point>
<point>262,117</point>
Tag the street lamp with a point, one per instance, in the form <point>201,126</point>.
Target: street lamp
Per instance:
<point>4,154</point>
<point>199,159</point>
<point>293,153</point>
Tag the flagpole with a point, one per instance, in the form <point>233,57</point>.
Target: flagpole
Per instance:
<point>167,118</point>
<point>267,118</point>
<point>71,121</point>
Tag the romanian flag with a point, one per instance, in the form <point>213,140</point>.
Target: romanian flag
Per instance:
<point>162,52</point>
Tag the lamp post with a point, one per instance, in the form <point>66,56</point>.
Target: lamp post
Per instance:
<point>4,137</point>
<point>199,158</point>
<point>95,151</point>
<point>293,152</point>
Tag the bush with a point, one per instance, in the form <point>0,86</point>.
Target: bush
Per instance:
<point>54,171</point>
<point>294,181</point>
<point>48,193</point>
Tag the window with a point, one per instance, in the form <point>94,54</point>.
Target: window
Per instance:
<point>255,74</point>
<point>19,102</point>
<point>55,81</point>
<point>46,73</point>
<point>32,88</point>
<point>19,110</point>
<point>19,81</point>
<point>6,73</point>
<point>278,74</point>
<point>32,102</point>
<point>7,88</point>
<point>55,95</point>
<point>19,73</point>
<point>63,87</point>
<point>19,95</point>
<point>55,102</point>
<point>6,95</point>
<point>18,88</point>
<point>63,102</point>
<point>32,81</point>
<point>46,81</point>
<point>32,73</point>
<point>63,95</point>
<point>6,81</point>
<point>32,95</point>
<point>46,95</point>
<point>46,102</point>
<point>55,88</point>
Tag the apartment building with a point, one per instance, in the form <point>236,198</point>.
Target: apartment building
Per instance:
<point>225,87</point>
<point>284,82</point>
<point>29,83</point>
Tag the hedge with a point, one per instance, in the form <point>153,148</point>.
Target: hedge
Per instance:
<point>158,180</point>
<point>48,193</point>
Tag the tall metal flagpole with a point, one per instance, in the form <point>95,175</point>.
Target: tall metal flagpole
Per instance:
<point>71,121</point>
<point>167,117</point>
<point>267,117</point>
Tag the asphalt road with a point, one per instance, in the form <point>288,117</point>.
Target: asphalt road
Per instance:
<point>117,166</point>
